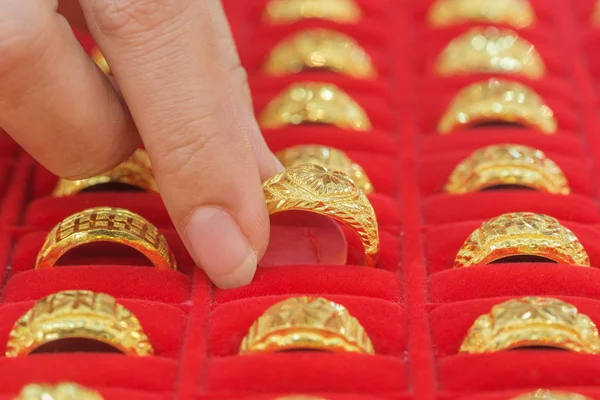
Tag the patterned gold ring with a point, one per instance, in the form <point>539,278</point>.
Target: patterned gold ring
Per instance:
<point>78,314</point>
<point>521,234</point>
<point>306,323</point>
<point>106,224</point>
<point>312,188</point>
<point>490,51</point>
<point>497,100</point>
<point>320,49</point>
<point>289,11</point>
<point>543,394</point>
<point>314,103</point>
<point>508,164</point>
<point>327,157</point>
<point>532,321</point>
<point>136,171</point>
<point>516,13</point>
<point>100,61</point>
<point>60,391</point>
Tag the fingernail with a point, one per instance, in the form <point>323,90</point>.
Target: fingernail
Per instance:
<point>220,248</point>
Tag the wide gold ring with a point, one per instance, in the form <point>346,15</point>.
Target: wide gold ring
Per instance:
<point>306,323</point>
<point>490,51</point>
<point>544,394</point>
<point>100,61</point>
<point>78,314</point>
<point>320,49</point>
<point>521,234</point>
<point>136,172</point>
<point>532,322</point>
<point>289,11</point>
<point>497,101</point>
<point>106,224</point>
<point>327,157</point>
<point>312,188</point>
<point>314,103</point>
<point>507,165</point>
<point>59,391</point>
<point>516,13</point>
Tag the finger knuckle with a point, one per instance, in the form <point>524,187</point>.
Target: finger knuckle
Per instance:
<point>19,41</point>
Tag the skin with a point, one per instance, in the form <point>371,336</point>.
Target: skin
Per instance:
<point>178,88</point>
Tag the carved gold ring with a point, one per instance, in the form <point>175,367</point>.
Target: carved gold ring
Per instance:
<point>314,103</point>
<point>306,323</point>
<point>106,224</point>
<point>78,314</point>
<point>100,61</point>
<point>544,394</point>
<point>491,51</point>
<point>497,100</point>
<point>289,11</point>
<point>521,234</point>
<point>532,322</point>
<point>60,391</point>
<point>516,13</point>
<point>309,187</point>
<point>508,164</point>
<point>136,171</point>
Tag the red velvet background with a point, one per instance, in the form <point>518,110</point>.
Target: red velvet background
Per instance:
<point>415,308</point>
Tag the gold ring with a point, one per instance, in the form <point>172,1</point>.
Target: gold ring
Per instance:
<point>100,61</point>
<point>543,394</point>
<point>532,321</point>
<point>309,187</point>
<point>491,51</point>
<point>516,13</point>
<point>320,49</point>
<point>314,103</point>
<point>106,224</point>
<point>497,100</point>
<point>327,157</point>
<point>60,391</point>
<point>136,171</point>
<point>521,234</point>
<point>289,11</point>
<point>508,164</point>
<point>306,323</point>
<point>78,314</point>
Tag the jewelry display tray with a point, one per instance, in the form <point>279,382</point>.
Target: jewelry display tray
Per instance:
<point>415,308</point>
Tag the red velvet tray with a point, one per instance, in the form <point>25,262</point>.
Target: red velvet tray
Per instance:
<point>415,308</point>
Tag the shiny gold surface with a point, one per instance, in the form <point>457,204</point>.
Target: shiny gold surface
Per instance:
<point>489,50</point>
<point>544,394</point>
<point>309,187</point>
<point>100,61</point>
<point>290,11</point>
<point>516,13</point>
<point>327,157</point>
<point>532,322</point>
<point>314,103</point>
<point>306,323</point>
<point>78,314</point>
<point>508,164</point>
<point>60,391</point>
<point>521,234</point>
<point>497,101</point>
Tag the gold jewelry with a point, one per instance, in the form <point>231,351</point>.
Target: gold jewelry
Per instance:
<point>315,103</point>
<point>320,49</point>
<point>100,61</point>
<point>289,11</point>
<point>516,13</point>
<point>497,100</point>
<point>60,391</point>
<point>306,323</point>
<point>327,157</point>
<point>543,394</point>
<point>508,164</point>
<point>521,234</point>
<point>136,171</point>
<point>532,321</point>
<point>309,187</point>
<point>106,224</point>
<point>78,314</point>
<point>493,51</point>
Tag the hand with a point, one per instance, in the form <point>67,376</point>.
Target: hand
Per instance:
<point>179,89</point>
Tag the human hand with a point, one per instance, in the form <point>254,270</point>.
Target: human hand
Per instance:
<point>178,88</point>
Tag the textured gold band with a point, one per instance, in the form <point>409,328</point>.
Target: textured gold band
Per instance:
<point>516,13</point>
<point>78,314</point>
<point>289,11</point>
<point>60,391</point>
<point>306,323</point>
<point>532,321</point>
<point>106,224</point>
<point>100,61</point>
<point>136,171</point>
<point>543,394</point>
<point>309,187</point>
